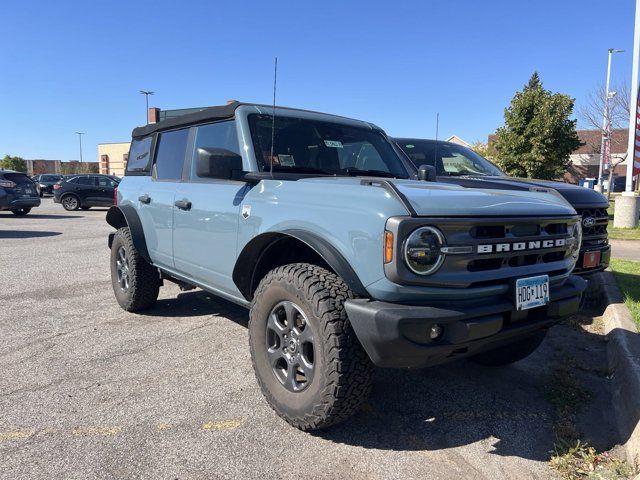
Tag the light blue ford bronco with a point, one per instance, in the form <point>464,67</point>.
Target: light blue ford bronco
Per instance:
<point>345,254</point>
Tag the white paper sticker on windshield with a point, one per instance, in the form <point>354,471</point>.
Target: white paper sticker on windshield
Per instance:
<point>286,160</point>
<point>333,143</point>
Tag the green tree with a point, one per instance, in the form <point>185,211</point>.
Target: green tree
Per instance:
<point>538,136</point>
<point>13,163</point>
<point>480,148</point>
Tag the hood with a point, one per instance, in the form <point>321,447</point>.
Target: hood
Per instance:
<point>575,195</point>
<point>447,200</point>
<point>438,199</point>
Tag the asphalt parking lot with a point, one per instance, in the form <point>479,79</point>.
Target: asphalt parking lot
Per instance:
<point>90,391</point>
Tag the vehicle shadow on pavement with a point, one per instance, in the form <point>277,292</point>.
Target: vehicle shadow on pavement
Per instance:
<point>42,216</point>
<point>27,234</point>
<point>508,411</point>
<point>197,303</point>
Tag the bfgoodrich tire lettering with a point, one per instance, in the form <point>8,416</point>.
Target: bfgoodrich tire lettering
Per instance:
<point>510,353</point>
<point>342,371</point>
<point>135,282</point>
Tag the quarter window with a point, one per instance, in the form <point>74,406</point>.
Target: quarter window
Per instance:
<point>222,135</point>
<point>170,154</point>
<point>139,153</point>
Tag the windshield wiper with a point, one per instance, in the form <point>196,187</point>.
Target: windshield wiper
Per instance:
<point>354,172</point>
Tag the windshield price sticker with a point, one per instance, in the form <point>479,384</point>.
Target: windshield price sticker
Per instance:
<point>333,143</point>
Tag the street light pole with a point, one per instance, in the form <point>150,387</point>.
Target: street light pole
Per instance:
<point>146,94</point>
<point>605,119</point>
<point>80,139</point>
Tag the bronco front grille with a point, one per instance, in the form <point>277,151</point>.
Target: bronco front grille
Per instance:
<point>491,250</point>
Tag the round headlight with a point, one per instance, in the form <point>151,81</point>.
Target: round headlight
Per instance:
<point>422,250</point>
<point>576,241</point>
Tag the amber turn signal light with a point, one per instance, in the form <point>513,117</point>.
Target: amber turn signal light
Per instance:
<point>388,247</point>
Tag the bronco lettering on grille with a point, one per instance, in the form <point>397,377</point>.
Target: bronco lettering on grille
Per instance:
<point>521,246</point>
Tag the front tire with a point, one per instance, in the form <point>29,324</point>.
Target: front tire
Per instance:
<point>70,202</point>
<point>309,364</point>
<point>136,283</point>
<point>510,353</point>
<point>21,212</point>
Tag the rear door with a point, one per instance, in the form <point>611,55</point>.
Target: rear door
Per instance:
<point>106,187</point>
<point>205,235</point>
<point>156,197</point>
<point>87,189</point>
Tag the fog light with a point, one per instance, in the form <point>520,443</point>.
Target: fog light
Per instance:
<point>436,331</point>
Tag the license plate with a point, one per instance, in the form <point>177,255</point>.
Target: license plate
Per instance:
<point>591,259</point>
<point>28,190</point>
<point>532,292</point>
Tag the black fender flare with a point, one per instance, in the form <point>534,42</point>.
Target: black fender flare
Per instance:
<point>252,253</point>
<point>120,216</point>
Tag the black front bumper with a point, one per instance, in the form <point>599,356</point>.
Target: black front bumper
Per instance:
<point>396,335</point>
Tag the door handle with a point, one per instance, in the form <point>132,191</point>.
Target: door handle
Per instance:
<point>183,204</point>
<point>144,198</point>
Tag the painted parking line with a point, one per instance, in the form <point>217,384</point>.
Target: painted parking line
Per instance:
<point>111,430</point>
<point>222,424</point>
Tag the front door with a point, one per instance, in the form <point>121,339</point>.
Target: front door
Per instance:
<point>205,233</point>
<point>106,187</point>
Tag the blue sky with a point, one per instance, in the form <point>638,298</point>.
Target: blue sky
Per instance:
<point>78,66</point>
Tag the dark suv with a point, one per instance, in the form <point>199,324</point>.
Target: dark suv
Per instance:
<point>462,166</point>
<point>85,191</point>
<point>18,193</point>
<point>46,181</point>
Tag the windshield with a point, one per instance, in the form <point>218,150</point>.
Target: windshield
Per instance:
<point>448,158</point>
<point>325,148</point>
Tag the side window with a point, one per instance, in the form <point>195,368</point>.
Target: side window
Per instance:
<point>170,154</point>
<point>106,182</point>
<point>140,154</point>
<point>221,135</point>
<point>85,181</point>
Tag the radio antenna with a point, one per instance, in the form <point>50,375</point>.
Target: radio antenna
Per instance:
<point>273,117</point>
<point>435,151</point>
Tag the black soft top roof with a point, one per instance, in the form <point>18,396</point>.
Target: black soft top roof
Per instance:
<point>221,112</point>
<point>209,113</point>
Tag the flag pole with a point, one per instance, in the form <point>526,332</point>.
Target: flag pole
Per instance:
<point>634,103</point>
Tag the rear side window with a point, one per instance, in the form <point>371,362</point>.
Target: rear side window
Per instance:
<point>106,182</point>
<point>50,178</point>
<point>19,178</point>
<point>170,154</point>
<point>139,155</point>
<point>85,181</point>
<point>222,135</point>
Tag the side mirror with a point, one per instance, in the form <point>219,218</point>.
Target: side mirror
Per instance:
<point>218,163</point>
<point>427,173</point>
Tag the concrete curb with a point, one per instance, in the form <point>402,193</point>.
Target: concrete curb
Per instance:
<point>623,357</point>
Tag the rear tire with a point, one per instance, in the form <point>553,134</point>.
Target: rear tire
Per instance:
<point>510,353</point>
<point>21,212</point>
<point>70,202</point>
<point>136,283</point>
<point>309,364</point>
